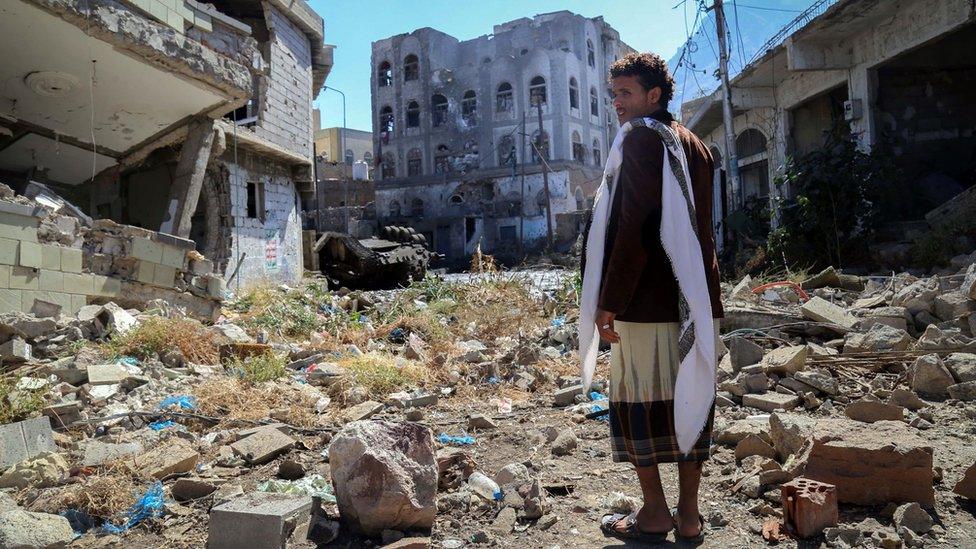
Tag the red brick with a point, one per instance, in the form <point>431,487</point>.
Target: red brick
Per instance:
<point>808,506</point>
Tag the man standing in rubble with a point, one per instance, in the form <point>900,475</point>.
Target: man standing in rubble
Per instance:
<point>651,289</point>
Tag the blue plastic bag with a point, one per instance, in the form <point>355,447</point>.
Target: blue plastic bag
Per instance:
<point>160,425</point>
<point>445,438</point>
<point>150,505</point>
<point>185,402</point>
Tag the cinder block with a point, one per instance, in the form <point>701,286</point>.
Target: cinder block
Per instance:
<point>23,278</point>
<point>11,300</point>
<point>25,439</point>
<point>18,227</point>
<point>259,519</point>
<point>51,281</point>
<point>8,251</point>
<point>29,255</point>
<point>58,299</point>
<point>106,285</point>
<point>164,276</point>
<point>147,250</point>
<point>216,287</point>
<point>15,351</point>
<point>809,506</point>
<point>79,284</point>
<point>146,272</point>
<point>51,257</point>
<point>71,260</point>
<point>173,257</point>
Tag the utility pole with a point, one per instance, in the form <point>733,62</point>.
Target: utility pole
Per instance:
<point>522,194</point>
<point>731,160</point>
<point>545,177</point>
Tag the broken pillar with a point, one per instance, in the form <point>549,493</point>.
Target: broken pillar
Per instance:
<point>188,178</point>
<point>808,506</point>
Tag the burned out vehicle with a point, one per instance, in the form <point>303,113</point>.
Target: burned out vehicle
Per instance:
<point>392,259</point>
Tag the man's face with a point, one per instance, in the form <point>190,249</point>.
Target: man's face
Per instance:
<point>631,100</point>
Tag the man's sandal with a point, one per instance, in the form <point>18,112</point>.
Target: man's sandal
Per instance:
<point>688,539</point>
<point>632,532</point>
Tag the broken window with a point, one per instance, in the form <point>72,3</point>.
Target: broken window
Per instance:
<point>594,103</point>
<point>417,207</point>
<point>537,91</point>
<point>394,208</point>
<point>503,98</point>
<point>438,105</point>
<point>384,75</point>
<point>415,161</point>
<point>442,159</point>
<point>579,151</point>
<point>540,144</point>
<point>469,108</point>
<point>411,68</point>
<point>590,54</point>
<point>506,151</point>
<point>470,228</point>
<point>255,200</point>
<point>507,233</point>
<point>456,199</point>
<point>573,94</point>
<point>386,119</point>
<point>596,152</point>
<point>413,115</point>
<point>350,157</point>
<point>388,166</point>
<point>750,147</point>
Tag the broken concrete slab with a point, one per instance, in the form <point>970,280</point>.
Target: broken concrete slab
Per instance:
<point>819,379</point>
<point>928,375</point>
<point>966,486</point>
<point>172,457</point>
<point>821,310</point>
<point>870,411</point>
<point>962,366</point>
<point>263,446</point>
<point>259,519</point>
<point>771,402</point>
<point>103,453</point>
<point>363,410</point>
<point>872,464</point>
<point>790,432</point>
<point>879,338</point>
<point>753,445</point>
<point>906,399</point>
<point>41,471</point>
<point>106,374</point>
<point>734,432</point>
<point>567,395</point>
<point>24,529</point>
<point>25,439</point>
<point>785,360</point>
<point>743,352</point>
<point>15,351</point>
<point>963,391</point>
<point>952,305</point>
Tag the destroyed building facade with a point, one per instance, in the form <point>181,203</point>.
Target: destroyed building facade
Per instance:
<point>448,122</point>
<point>900,74</point>
<point>175,116</point>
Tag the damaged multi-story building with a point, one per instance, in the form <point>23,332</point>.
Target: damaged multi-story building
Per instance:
<point>900,74</point>
<point>182,117</point>
<point>457,122</point>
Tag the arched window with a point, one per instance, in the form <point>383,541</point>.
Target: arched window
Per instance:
<point>350,157</point>
<point>750,148</point>
<point>541,143</point>
<point>438,105</point>
<point>386,119</point>
<point>579,151</point>
<point>442,159</point>
<point>597,160</point>
<point>594,103</point>
<point>506,151</point>
<point>384,75</point>
<point>394,208</point>
<point>413,114</point>
<point>573,93</point>
<point>537,91</point>
<point>368,157</point>
<point>388,166</point>
<point>469,108</point>
<point>415,162</point>
<point>411,68</point>
<point>503,98</point>
<point>417,207</point>
<point>590,54</point>
<point>456,199</point>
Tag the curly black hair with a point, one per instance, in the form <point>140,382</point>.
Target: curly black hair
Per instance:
<point>651,71</point>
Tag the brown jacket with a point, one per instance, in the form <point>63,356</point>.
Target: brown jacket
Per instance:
<point>638,283</point>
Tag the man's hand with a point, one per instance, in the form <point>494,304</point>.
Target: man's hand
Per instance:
<point>604,325</point>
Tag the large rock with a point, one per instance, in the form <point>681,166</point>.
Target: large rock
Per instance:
<point>962,366</point>
<point>25,530</point>
<point>952,305</point>
<point>963,391</point>
<point>966,487</point>
<point>785,360</point>
<point>929,376</point>
<point>917,296</point>
<point>872,464</point>
<point>385,476</point>
<point>731,434</point>
<point>790,432</point>
<point>870,411</point>
<point>913,517</point>
<point>878,338</point>
<point>906,399</point>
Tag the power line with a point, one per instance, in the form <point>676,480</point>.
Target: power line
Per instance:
<point>769,9</point>
<point>742,48</point>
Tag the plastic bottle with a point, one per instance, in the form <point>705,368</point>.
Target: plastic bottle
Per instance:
<point>484,486</point>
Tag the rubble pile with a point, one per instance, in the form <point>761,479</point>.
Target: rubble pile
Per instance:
<point>451,414</point>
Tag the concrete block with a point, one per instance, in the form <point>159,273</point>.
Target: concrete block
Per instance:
<point>216,287</point>
<point>567,395</point>
<point>147,250</point>
<point>164,276</point>
<point>106,374</point>
<point>11,300</point>
<point>24,440</point>
<point>18,227</point>
<point>43,304</point>
<point>821,310</point>
<point>173,457</point>
<point>77,302</point>
<point>23,278</point>
<point>201,267</point>
<point>145,272</point>
<point>182,243</point>
<point>259,519</point>
<point>29,255</point>
<point>263,446</point>
<point>364,410</point>
<point>4,277</point>
<point>770,402</point>
<point>809,506</point>
<point>81,284</point>
<point>15,351</point>
<point>8,251</point>
<point>51,281</point>
<point>51,257</point>
<point>104,453</point>
<point>173,257</point>
<point>106,285</point>
<point>71,260</point>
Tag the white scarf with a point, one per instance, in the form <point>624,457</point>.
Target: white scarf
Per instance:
<point>694,389</point>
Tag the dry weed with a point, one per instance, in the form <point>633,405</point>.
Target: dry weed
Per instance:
<point>235,399</point>
<point>103,496</point>
<point>156,335</point>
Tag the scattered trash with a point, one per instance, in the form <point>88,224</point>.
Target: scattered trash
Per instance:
<point>312,485</point>
<point>160,425</point>
<point>558,322</point>
<point>150,505</point>
<point>484,486</point>
<point>445,438</point>
<point>185,402</point>
<point>503,404</point>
